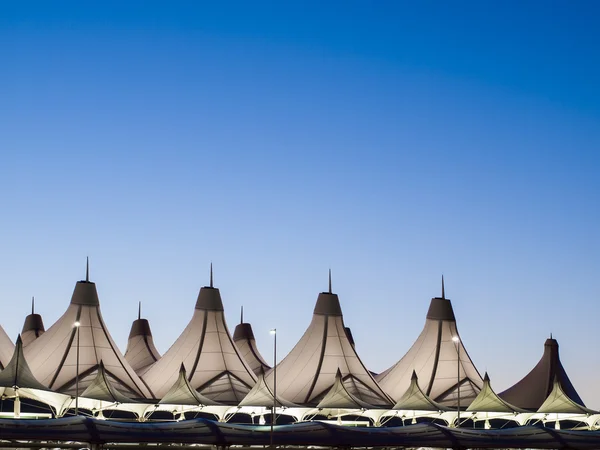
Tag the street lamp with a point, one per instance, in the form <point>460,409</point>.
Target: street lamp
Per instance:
<point>77,324</point>
<point>274,333</point>
<point>456,340</point>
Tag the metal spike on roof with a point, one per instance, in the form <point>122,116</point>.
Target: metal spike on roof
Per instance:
<point>242,315</point>
<point>139,309</point>
<point>87,269</point>
<point>211,275</point>
<point>443,290</point>
<point>32,305</point>
<point>330,282</point>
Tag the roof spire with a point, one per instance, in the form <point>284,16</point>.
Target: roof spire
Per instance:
<point>211,275</point>
<point>330,281</point>
<point>139,310</point>
<point>550,335</point>
<point>87,269</point>
<point>32,305</point>
<point>443,290</point>
<point>242,315</point>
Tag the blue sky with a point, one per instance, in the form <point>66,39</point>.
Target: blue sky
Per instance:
<point>392,142</point>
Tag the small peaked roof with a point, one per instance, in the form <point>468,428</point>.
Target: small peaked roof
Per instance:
<point>531,392</point>
<point>141,352</point>
<point>339,397</point>
<point>243,336</point>
<point>261,395</point>
<point>434,357</point>
<point>17,372</point>
<point>7,348</point>
<point>182,393</point>
<point>53,356</point>
<point>33,326</point>
<point>488,401</point>
<point>308,372</point>
<point>559,402</point>
<point>416,400</point>
<point>101,388</point>
<point>216,367</point>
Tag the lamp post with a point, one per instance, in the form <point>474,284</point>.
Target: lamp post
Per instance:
<point>456,340</point>
<point>274,333</point>
<point>77,325</point>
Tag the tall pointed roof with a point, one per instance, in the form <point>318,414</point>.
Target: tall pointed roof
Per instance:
<point>17,372</point>
<point>308,372</point>
<point>243,336</point>
<point>215,365</point>
<point>415,399</point>
<point>434,358</point>
<point>488,401</point>
<point>33,326</point>
<point>53,356</point>
<point>531,392</point>
<point>7,348</point>
<point>141,352</point>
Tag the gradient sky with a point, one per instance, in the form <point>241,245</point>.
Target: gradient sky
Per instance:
<point>392,142</point>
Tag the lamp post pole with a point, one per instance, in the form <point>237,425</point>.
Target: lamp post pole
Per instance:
<point>456,340</point>
<point>77,325</point>
<point>274,333</point>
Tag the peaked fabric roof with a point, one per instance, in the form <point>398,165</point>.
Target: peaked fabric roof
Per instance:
<point>262,395</point>
<point>434,357</point>
<point>101,388</point>
<point>17,372</point>
<point>531,392</point>
<point>308,372</point>
<point>53,356</point>
<point>33,326</point>
<point>559,402</point>
<point>339,397</point>
<point>488,401</point>
<point>415,399</point>
<point>215,365</point>
<point>7,348</point>
<point>182,393</point>
<point>141,352</point>
<point>243,336</point>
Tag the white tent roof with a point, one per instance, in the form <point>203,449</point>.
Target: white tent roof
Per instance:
<point>262,395</point>
<point>243,336</point>
<point>434,357</point>
<point>182,393</point>
<point>339,397</point>
<point>488,401</point>
<point>215,366</point>
<point>559,402</point>
<point>17,372</point>
<point>53,356</point>
<point>308,372</point>
<point>33,326</point>
<point>101,388</point>
<point>7,348</point>
<point>141,352</point>
<point>415,399</point>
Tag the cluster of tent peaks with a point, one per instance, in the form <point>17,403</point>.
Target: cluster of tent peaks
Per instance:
<point>76,364</point>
